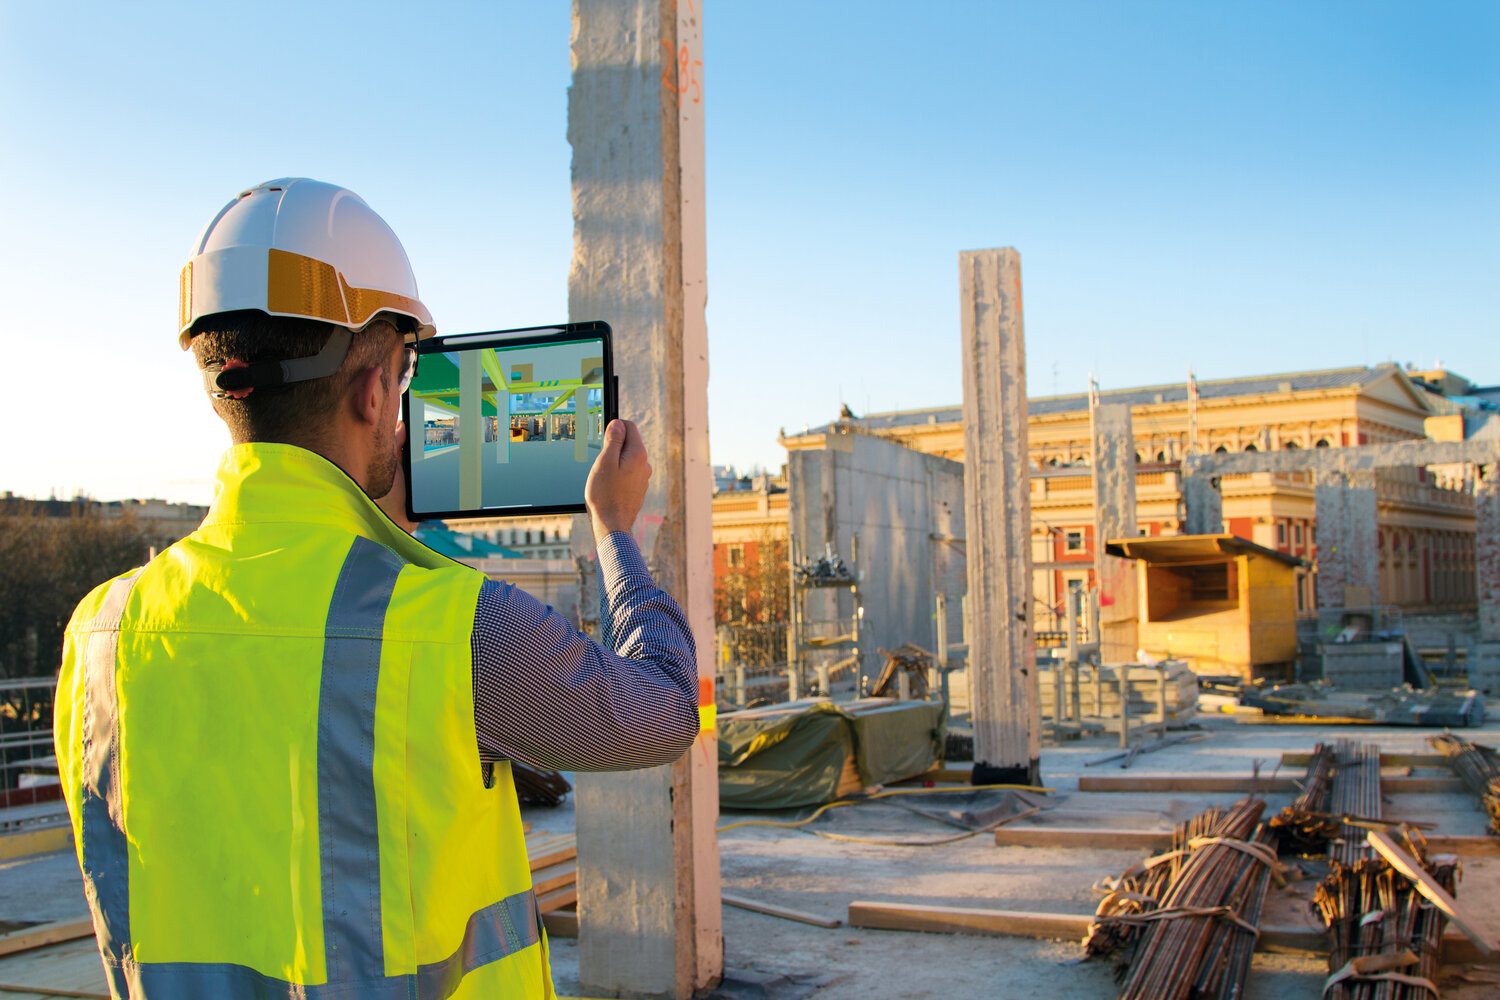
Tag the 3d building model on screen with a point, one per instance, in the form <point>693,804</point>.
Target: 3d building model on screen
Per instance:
<point>506,426</point>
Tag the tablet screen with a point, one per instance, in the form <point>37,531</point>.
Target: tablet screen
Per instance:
<point>507,422</point>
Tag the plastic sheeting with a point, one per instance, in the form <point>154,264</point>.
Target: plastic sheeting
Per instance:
<point>795,754</point>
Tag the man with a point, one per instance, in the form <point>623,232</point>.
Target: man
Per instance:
<point>285,742</point>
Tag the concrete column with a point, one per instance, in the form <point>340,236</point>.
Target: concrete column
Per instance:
<point>1348,563</point>
<point>470,429</point>
<point>1484,656</point>
<point>1114,517</point>
<point>997,513</point>
<point>1203,505</point>
<point>416,416</point>
<point>648,888</point>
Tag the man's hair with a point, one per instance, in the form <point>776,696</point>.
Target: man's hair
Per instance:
<point>302,412</point>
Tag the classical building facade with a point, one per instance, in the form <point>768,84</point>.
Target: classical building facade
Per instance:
<point>1425,516</point>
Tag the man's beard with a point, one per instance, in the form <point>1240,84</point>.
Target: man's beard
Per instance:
<point>382,474</point>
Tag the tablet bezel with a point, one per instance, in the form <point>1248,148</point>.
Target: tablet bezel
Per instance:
<point>524,336</point>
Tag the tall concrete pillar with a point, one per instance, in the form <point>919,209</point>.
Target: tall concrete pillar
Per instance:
<point>1203,504</point>
<point>1484,657</point>
<point>1348,558</point>
<point>470,428</point>
<point>997,512</point>
<point>648,888</point>
<point>1114,517</point>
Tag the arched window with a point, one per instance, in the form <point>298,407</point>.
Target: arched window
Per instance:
<point>1161,456</point>
<point>1221,450</point>
<point>1290,445</point>
<point>1322,443</point>
<point>1251,447</point>
<point>1139,458</point>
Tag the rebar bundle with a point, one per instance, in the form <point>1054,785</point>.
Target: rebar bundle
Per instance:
<point>539,788</point>
<point>1479,767</point>
<point>1192,913</point>
<point>1355,792</point>
<point>1386,936</point>
<point>1306,826</point>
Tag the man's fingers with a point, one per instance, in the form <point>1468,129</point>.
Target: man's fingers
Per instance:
<point>614,440</point>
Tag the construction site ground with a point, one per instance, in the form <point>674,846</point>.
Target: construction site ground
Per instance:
<point>789,867</point>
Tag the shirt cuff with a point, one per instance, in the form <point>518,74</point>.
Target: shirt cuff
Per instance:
<point>620,559</point>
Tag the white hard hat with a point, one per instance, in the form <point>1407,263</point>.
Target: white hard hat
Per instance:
<point>299,247</point>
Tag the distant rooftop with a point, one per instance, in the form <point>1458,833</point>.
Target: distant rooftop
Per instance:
<point>1333,378</point>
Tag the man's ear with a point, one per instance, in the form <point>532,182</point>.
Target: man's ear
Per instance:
<point>365,395</point>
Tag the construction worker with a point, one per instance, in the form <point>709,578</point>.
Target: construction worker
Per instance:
<point>285,742</point>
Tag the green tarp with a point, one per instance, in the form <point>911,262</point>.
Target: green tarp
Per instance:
<point>793,755</point>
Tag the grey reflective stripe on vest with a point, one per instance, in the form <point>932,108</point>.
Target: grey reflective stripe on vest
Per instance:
<point>348,829</point>
<point>104,853</point>
<point>348,834</point>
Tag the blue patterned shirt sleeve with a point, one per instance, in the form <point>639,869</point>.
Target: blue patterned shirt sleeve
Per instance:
<point>550,697</point>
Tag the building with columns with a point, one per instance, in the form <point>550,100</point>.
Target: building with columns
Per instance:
<point>1425,516</point>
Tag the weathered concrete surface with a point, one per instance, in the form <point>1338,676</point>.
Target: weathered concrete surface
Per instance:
<point>1401,454</point>
<point>997,513</point>
<point>1203,505</point>
<point>1348,562</point>
<point>1484,672</point>
<point>648,857</point>
<point>1114,517</point>
<point>907,508</point>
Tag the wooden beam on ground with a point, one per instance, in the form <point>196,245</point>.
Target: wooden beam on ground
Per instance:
<point>1427,886</point>
<point>1464,846</point>
<point>26,842</point>
<point>965,920</point>
<point>1386,760</point>
<point>1083,837</point>
<point>1245,784</point>
<point>786,913</point>
<point>557,899</point>
<point>561,923</point>
<point>42,935</point>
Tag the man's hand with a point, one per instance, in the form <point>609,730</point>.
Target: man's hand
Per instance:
<point>616,487</point>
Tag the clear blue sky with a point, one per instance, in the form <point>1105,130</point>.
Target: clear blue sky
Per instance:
<point>1242,188</point>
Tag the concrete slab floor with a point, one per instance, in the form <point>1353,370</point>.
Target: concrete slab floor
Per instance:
<point>793,869</point>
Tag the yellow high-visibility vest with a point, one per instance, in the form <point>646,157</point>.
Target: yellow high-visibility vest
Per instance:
<point>266,742</point>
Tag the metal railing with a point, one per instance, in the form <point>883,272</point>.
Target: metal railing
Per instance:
<point>28,765</point>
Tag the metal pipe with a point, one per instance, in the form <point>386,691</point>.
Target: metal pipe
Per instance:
<point>1124,672</point>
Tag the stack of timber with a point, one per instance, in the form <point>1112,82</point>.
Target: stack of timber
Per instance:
<point>910,659</point>
<point>1400,707</point>
<point>1193,930</point>
<point>554,871</point>
<point>1386,936</point>
<point>1306,826</point>
<point>1479,767</point>
<point>1142,682</point>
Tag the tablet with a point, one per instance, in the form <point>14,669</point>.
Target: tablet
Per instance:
<point>507,422</point>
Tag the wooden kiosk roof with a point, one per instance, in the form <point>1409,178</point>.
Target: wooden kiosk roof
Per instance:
<point>1189,549</point>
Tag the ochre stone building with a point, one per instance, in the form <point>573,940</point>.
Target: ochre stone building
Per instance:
<point>1425,516</point>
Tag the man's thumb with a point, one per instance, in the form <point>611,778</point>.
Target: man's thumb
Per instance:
<point>614,436</point>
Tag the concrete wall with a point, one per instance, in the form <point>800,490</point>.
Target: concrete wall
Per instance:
<point>896,500</point>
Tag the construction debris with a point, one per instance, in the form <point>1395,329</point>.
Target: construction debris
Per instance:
<point>539,788</point>
<point>1306,824</point>
<point>907,658</point>
<point>1399,707</point>
<point>1479,767</point>
<point>1127,757</point>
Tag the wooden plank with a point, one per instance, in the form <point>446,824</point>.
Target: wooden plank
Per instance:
<point>552,854</point>
<point>26,842</point>
<point>1438,844</point>
<point>786,913</point>
<point>45,934</point>
<point>1386,760</point>
<point>555,877</point>
<point>561,923</point>
<point>964,920</point>
<point>1085,837</point>
<point>1098,838</point>
<point>557,899</point>
<point>1245,783</point>
<point>1426,885</point>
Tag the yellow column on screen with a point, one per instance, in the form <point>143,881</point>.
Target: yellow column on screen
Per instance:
<point>496,372</point>
<point>470,429</point>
